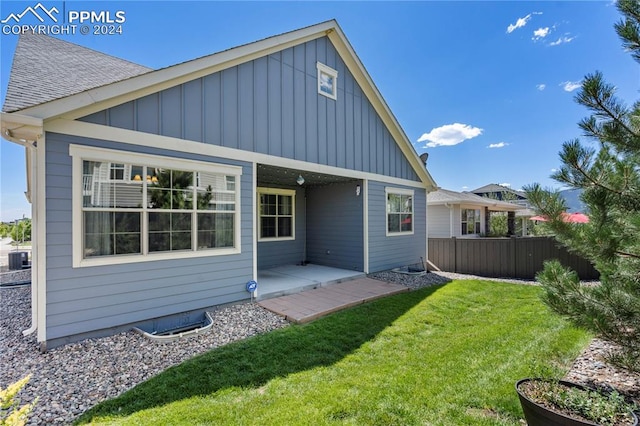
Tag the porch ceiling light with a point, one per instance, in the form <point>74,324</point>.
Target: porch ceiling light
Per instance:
<point>300,180</point>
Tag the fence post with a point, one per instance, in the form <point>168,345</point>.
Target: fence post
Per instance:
<point>455,255</point>
<point>514,258</point>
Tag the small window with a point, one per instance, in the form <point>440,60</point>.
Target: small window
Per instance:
<point>327,81</point>
<point>276,214</point>
<point>470,221</point>
<point>399,212</point>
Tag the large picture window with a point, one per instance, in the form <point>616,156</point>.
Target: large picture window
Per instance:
<point>143,209</point>
<point>470,221</point>
<point>277,214</point>
<point>399,211</point>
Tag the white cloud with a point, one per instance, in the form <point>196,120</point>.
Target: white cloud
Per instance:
<point>541,86</point>
<point>521,22</point>
<point>570,86</point>
<point>465,187</point>
<point>498,145</point>
<point>561,40</point>
<point>449,135</point>
<point>540,33</point>
<point>554,170</point>
<point>508,185</point>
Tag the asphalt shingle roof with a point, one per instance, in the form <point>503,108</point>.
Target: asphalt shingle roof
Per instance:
<point>46,68</point>
<point>442,196</point>
<point>493,187</point>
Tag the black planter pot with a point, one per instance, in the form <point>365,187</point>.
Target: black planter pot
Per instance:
<point>537,415</point>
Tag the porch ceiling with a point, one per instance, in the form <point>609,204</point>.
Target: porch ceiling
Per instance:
<point>271,175</point>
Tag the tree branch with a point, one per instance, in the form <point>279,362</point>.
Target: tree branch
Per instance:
<point>625,254</point>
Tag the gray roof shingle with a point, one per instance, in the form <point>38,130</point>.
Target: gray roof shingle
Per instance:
<point>442,196</point>
<point>494,187</point>
<point>46,68</point>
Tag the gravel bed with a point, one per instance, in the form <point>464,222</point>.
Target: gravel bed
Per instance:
<point>412,281</point>
<point>12,277</point>
<point>71,379</point>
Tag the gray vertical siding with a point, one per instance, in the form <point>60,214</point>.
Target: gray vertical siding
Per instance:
<point>390,252</point>
<point>288,252</point>
<point>335,233</point>
<point>271,106</point>
<point>87,299</point>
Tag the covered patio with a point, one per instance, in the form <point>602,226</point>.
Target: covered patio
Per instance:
<point>310,230</point>
<point>290,279</point>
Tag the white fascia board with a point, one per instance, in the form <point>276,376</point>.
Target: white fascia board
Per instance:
<point>505,208</point>
<point>441,203</point>
<point>104,97</point>
<point>97,131</point>
<point>363,78</point>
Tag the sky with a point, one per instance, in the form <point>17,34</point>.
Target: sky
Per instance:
<point>485,88</point>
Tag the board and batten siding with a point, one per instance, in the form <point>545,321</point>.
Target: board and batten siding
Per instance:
<point>285,252</point>
<point>271,105</point>
<point>89,299</point>
<point>439,218</point>
<point>387,252</point>
<point>335,233</point>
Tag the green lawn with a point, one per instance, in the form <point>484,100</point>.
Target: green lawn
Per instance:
<point>445,355</point>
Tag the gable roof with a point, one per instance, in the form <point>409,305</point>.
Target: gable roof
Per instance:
<point>445,196</point>
<point>96,98</point>
<point>494,187</point>
<point>46,68</point>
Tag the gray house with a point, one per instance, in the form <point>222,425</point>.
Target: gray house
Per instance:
<point>464,214</point>
<point>159,193</point>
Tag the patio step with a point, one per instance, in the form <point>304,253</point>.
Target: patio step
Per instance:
<point>312,304</point>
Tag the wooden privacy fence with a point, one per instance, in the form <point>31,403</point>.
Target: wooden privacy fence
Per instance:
<point>515,257</point>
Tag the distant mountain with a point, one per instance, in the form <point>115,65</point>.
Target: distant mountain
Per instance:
<point>572,198</point>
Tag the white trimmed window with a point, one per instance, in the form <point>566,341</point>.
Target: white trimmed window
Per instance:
<point>327,81</point>
<point>133,207</point>
<point>399,211</point>
<point>470,221</point>
<point>276,210</point>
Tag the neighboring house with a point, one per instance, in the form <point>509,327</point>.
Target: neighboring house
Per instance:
<point>502,193</point>
<point>161,192</point>
<point>463,214</point>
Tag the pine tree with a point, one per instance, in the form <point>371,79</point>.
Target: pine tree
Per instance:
<point>608,171</point>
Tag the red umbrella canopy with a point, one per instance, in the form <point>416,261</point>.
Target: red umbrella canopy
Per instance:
<point>566,217</point>
<point>575,217</point>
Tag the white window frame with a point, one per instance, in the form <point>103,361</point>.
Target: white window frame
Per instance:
<point>277,191</point>
<point>80,153</point>
<point>398,191</point>
<point>479,221</point>
<point>324,69</point>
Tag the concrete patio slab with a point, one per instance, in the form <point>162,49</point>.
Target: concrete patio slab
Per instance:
<point>289,279</point>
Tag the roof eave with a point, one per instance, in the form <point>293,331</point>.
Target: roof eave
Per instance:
<point>21,129</point>
<point>103,97</point>
<point>361,75</point>
<point>94,100</point>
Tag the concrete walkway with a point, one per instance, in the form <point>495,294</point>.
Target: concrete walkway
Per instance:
<point>312,304</point>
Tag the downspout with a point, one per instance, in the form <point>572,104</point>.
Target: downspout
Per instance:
<point>31,194</point>
<point>39,208</point>
<point>450,207</point>
<point>29,132</point>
